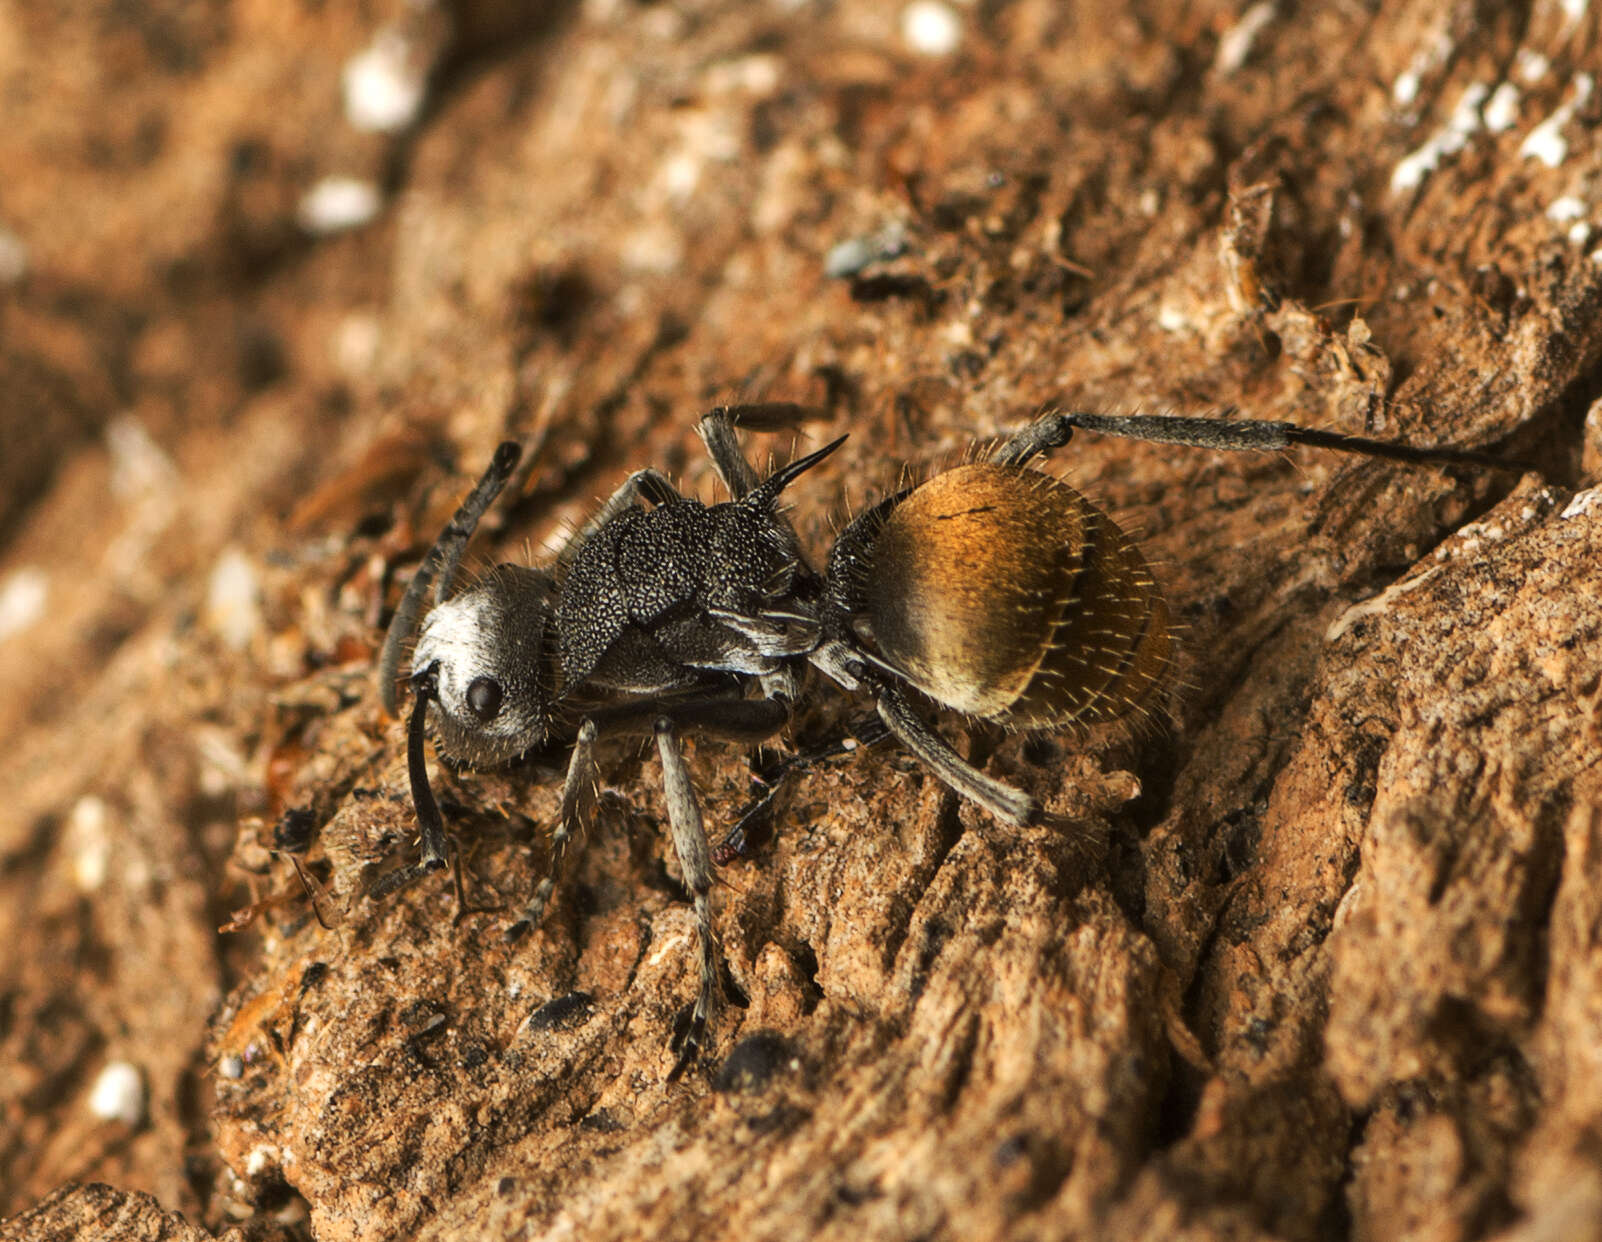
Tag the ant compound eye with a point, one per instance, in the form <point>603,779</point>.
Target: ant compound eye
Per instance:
<point>484,696</point>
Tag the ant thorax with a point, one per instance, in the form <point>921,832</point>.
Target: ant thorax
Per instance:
<point>658,596</point>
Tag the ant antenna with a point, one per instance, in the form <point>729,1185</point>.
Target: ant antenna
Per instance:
<point>429,821</point>
<point>441,560</point>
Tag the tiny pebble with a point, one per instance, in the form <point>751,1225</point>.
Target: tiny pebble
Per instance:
<point>119,1094</point>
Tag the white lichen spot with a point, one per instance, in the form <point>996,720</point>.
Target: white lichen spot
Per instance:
<point>1471,540</point>
<point>654,249</point>
<point>261,1159</point>
<point>88,844</point>
<point>119,1094</point>
<point>668,949</point>
<point>1531,66</point>
<point>13,257</point>
<point>23,596</point>
<point>1446,141</point>
<point>1573,11</point>
<point>231,1066</point>
<point>1414,167</point>
<point>1579,233</point>
<point>139,466</point>
<point>1235,46</point>
<point>1405,89</point>
<point>356,341</point>
<point>1171,319</point>
<point>680,175</point>
<point>223,768</point>
<point>849,257</point>
<point>233,599</point>
<point>1583,503</point>
<point>338,204</point>
<point>1546,141</point>
<point>758,75</point>
<point>931,28</point>
<point>1151,202</point>
<point>384,84</point>
<point>1562,210</point>
<point>1502,109</point>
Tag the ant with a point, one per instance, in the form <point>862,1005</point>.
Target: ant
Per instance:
<point>992,589</point>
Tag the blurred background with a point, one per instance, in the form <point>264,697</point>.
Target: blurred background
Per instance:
<point>1320,959</point>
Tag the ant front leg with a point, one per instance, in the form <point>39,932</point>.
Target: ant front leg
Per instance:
<point>695,860</point>
<point>578,795</point>
<point>745,720</point>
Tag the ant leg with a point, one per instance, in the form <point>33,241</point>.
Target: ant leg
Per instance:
<point>441,561</point>
<point>1227,435</point>
<point>578,789</point>
<point>1010,805</point>
<point>717,428</point>
<point>736,843</point>
<point>739,719</point>
<point>695,860</point>
<point>752,721</point>
<point>1050,431</point>
<point>717,714</point>
<point>1259,435</point>
<point>650,484</point>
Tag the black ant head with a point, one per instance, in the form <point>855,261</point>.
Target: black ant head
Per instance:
<point>481,658</point>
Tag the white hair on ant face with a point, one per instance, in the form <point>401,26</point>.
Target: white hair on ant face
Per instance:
<point>458,639</point>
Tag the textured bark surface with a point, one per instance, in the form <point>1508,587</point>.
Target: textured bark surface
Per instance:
<point>1320,959</point>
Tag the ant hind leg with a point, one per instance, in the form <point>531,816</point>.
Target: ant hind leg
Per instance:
<point>1011,806</point>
